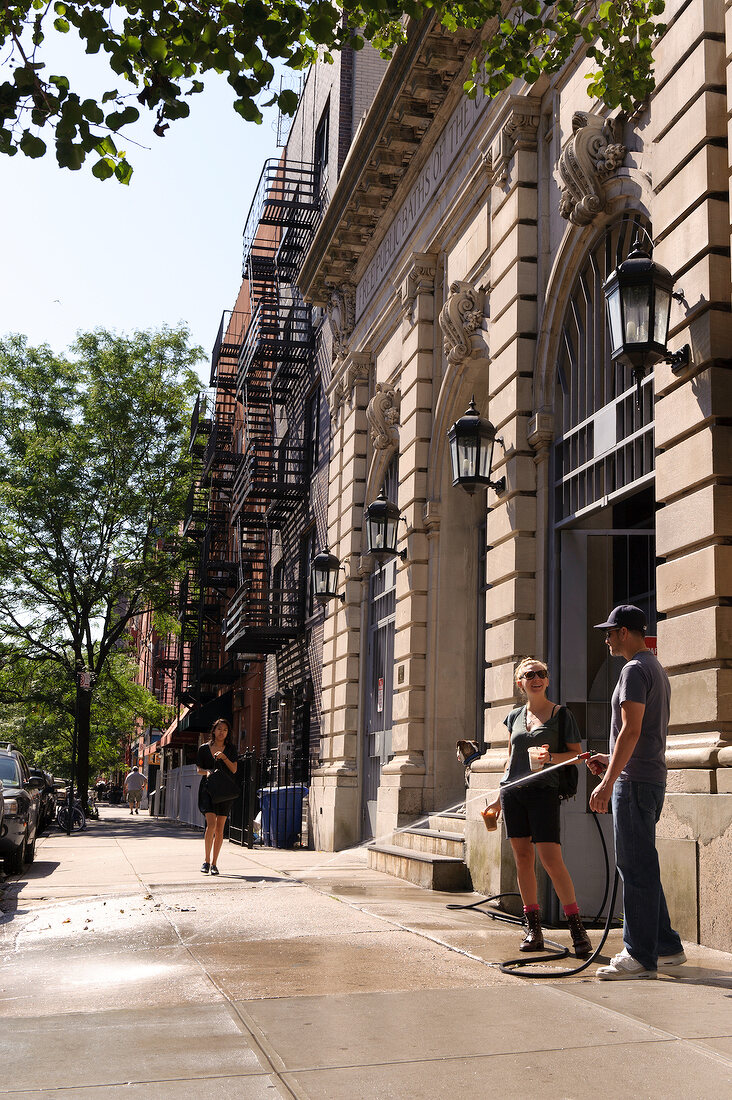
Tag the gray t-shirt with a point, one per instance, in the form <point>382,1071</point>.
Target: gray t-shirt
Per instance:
<point>135,781</point>
<point>644,680</point>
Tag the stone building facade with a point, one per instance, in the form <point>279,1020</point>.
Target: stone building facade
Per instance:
<point>463,253</point>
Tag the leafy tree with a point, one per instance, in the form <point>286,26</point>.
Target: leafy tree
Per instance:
<point>160,52</point>
<point>93,476</point>
<point>37,711</point>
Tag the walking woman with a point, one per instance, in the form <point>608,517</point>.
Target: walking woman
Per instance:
<point>219,754</point>
<point>531,813</point>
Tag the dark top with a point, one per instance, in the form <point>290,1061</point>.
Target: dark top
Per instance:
<point>557,732</point>
<point>644,680</point>
<point>205,759</point>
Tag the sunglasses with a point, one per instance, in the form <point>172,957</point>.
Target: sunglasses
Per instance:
<point>534,673</point>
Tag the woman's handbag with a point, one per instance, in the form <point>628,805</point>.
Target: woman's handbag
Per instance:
<point>222,786</point>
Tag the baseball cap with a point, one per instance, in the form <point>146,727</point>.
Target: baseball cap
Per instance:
<point>627,615</point>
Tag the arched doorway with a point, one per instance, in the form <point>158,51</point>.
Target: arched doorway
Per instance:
<point>377,742</point>
<point>602,505</point>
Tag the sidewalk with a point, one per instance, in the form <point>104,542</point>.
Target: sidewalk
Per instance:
<point>304,974</point>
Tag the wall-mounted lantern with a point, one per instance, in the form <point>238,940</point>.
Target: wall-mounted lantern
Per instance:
<point>472,439</point>
<point>324,569</point>
<point>638,295</point>
<point>382,524</point>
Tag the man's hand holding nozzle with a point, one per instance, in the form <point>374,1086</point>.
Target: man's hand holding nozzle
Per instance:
<point>598,762</point>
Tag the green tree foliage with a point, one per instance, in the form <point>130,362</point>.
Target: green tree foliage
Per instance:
<point>93,476</point>
<point>159,54</point>
<point>37,711</point>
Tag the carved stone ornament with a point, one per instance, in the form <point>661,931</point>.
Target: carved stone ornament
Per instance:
<point>590,156</point>
<point>342,317</point>
<point>518,132</point>
<point>460,317</point>
<point>356,370</point>
<point>382,413</point>
<point>420,280</point>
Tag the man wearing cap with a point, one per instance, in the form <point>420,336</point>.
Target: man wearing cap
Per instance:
<point>634,781</point>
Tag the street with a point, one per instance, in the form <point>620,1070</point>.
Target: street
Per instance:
<point>303,974</point>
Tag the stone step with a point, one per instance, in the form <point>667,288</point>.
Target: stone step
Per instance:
<point>436,841</point>
<point>431,872</point>
<point>449,823</point>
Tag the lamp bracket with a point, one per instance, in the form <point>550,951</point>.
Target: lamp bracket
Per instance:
<point>499,439</point>
<point>678,295</point>
<point>498,486</point>
<point>680,359</point>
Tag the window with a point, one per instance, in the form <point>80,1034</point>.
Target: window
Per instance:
<point>276,593</point>
<point>320,150</point>
<point>312,432</point>
<point>308,551</point>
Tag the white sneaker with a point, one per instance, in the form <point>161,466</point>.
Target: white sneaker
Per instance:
<point>672,960</point>
<point>622,967</point>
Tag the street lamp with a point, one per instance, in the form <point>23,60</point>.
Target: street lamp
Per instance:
<point>324,569</point>
<point>638,294</point>
<point>472,439</point>
<point>382,521</point>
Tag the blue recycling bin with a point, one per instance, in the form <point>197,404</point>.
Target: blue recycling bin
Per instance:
<point>282,814</point>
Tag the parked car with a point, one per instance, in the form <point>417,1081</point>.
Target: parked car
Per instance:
<point>48,797</point>
<point>22,808</point>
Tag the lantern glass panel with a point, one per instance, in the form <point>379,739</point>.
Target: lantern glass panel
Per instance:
<point>376,534</point>
<point>615,319</point>
<point>466,449</point>
<point>637,302</point>
<point>660,320</point>
<point>485,457</point>
<point>391,533</point>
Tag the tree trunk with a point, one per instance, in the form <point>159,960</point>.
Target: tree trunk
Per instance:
<point>83,710</point>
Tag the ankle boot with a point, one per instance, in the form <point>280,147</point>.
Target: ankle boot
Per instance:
<point>580,939</point>
<point>534,938</point>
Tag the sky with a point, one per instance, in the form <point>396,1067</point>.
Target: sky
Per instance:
<point>78,253</point>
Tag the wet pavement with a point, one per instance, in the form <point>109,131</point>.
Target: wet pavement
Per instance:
<point>308,975</point>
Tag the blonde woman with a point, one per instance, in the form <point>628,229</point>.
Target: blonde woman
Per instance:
<point>218,753</point>
<point>531,813</point>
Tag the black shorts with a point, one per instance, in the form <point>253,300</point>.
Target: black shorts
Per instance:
<point>207,806</point>
<point>532,812</point>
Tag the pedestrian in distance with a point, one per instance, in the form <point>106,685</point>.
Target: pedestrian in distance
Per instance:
<point>634,783</point>
<point>549,732</point>
<point>218,754</point>
<point>134,784</point>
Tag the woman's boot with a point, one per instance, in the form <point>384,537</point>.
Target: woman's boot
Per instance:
<point>580,939</point>
<point>534,938</point>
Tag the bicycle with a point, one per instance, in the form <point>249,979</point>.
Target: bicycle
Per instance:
<point>78,818</point>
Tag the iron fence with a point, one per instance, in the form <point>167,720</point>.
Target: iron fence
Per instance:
<point>272,807</point>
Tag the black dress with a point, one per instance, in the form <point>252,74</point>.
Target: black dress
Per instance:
<point>205,759</point>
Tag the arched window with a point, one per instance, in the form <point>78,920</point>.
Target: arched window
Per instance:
<point>603,447</point>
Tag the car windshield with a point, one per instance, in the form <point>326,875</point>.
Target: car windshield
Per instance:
<point>9,771</point>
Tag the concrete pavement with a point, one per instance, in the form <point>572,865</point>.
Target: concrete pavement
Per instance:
<point>303,974</point>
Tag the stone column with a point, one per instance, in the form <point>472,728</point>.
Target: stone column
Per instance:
<point>335,791</point>
<point>400,796</point>
<point>511,628</point>
<point>691,217</point>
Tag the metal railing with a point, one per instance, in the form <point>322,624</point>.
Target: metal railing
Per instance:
<point>272,807</point>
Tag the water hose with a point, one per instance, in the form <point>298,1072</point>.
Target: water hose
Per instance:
<point>514,966</point>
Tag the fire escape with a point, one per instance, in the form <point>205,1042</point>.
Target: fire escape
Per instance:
<point>278,347</point>
<point>204,665</point>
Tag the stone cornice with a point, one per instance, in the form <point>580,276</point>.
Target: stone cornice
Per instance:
<point>413,89</point>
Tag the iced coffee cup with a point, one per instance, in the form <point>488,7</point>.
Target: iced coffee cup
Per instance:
<point>490,818</point>
<point>535,754</point>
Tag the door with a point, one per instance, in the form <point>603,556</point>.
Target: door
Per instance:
<point>599,569</point>
<point>379,688</point>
